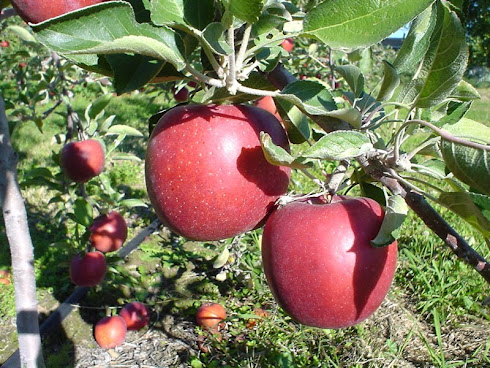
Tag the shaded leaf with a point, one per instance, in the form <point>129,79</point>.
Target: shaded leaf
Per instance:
<point>124,129</point>
<point>354,78</point>
<point>391,81</point>
<point>83,212</point>
<point>395,214</point>
<point>310,96</point>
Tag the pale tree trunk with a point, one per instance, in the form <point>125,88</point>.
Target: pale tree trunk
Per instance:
<point>21,250</point>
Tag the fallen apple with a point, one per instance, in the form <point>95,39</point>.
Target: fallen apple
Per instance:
<point>88,270</point>
<point>5,277</point>
<point>108,232</point>
<point>110,332</point>
<point>82,160</point>
<point>206,174</point>
<point>136,315</point>
<point>320,264</point>
<point>210,316</point>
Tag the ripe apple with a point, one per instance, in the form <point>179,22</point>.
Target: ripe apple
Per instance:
<point>206,174</point>
<point>320,264</point>
<point>4,43</point>
<point>5,277</point>
<point>181,95</point>
<point>110,332</point>
<point>210,316</point>
<point>288,44</point>
<point>108,232</point>
<point>267,103</point>
<point>36,11</point>
<point>136,315</point>
<point>88,270</point>
<point>82,160</point>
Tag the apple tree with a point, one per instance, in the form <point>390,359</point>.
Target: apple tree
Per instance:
<point>394,132</point>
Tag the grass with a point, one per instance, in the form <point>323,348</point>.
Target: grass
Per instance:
<point>435,297</point>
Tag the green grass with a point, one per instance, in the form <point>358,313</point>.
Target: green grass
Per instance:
<point>480,110</point>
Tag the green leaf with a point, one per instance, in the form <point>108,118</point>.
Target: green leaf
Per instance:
<point>395,214</point>
<point>468,164</point>
<point>354,78</point>
<point>22,32</point>
<point>196,13</point>
<point>297,124</point>
<point>443,65</point>
<point>465,92</point>
<point>222,258</point>
<point>215,36</point>
<point>98,105</point>
<point>349,115</point>
<point>455,115</point>
<point>124,129</point>
<point>391,81</point>
<point>339,145</point>
<point>310,96</point>
<point>109,28</point>
<point>83,212</point>
<point>277,155</point>
<point>133,202</point>
<point>247,10</point>
<point>417,41</point>
<point>338,23</point>
<point>463,205</point>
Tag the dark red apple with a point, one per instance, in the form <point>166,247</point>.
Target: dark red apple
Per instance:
<point>108,232</point>
<point>210,316</point>
<point>320,264</point>
<point>5,277</point>
<point>88,270</point>
<point>136,315</point>
<point>288,44</point>
<point>110,332</point>
<point>4,44</point>
<point>206,173</point>
<point>181,95</point>
<point>36,11</point>
<point>82,160</point>
<point>267,103</point>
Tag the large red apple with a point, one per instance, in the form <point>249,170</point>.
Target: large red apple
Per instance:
<point>36,11</point>
<point>210,316</point>
<point>320,264</point>
<point>136,315</point>
<point>108,232</point>
<point>206,174</point>
<point>88,270</point>
<point>110,332</point>
<point>82,160</point>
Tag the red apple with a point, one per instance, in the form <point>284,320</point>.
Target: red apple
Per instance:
<point>82,160</point>
<point>4,44</point>
<point>36,11</point>
<point>320,264</point>
<point>288,44</point>
<point>89,270</point>
<point>181,95</point>
<point>136,315</point>
<point>267,103</point>
<point>110,332</point>
<point>22,64</point>
<point>108,232</point>
<point>5,277</point>
<point>206,174</point>
<point>210,316</point>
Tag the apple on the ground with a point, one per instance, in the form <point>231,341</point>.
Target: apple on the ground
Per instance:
<point>210,316</point>
<point>110,332</point>
<point>136,315</point>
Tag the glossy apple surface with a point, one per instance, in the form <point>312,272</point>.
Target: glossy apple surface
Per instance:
<point>320,265</point>
<point>210,316</point>
<point>108,232</point>
<point>88,270</point>
<point>288,44</point>
<point>110,332</point>
<point>136,315</point>
<point>36,11</point>
<point>82,160</point>
<point>206,174</point>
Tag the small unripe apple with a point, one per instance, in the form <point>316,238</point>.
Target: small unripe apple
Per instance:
<point>210,316</point>
<point>82,160</point>
<point>110,332</point>
<point>108,232</point>
<point>136,315</point>
<point>36,11</point>
<point>5,277</point>
<point>288,44</point>
<point>88,270</point>
<point>206,174</point>
<point>181,95</point>
<point>320,264</point>
<point>4,43</point>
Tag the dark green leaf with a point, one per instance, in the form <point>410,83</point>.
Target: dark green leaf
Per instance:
<point>83,212</point>
<point>354,78</point>
<point>297,124</point>
<point>215,36</point>
<point>98,105</point>
<point>465,92</point>
<point>391,81</point>
<point>352,24</point>
<point>310,96</point>
<point>247,10</point>
<point>124,129</point>
<point>277,155</point>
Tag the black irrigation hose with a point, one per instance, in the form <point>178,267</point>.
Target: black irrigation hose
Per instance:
<point>65,308</point>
